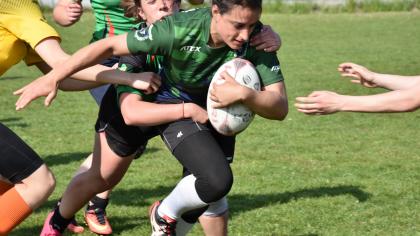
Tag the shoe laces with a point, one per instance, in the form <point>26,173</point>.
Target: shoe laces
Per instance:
<point>100,215</point>
<point>167,225</point>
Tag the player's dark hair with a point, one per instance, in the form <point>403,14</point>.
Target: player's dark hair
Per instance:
<point>227,5</point>
<point>131,7</point>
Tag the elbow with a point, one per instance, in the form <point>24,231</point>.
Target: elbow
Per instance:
<point>129,120</point>
<point>282,111</point>
<point>282,115</point>
<point>128,117</point>
<point>410,107</point>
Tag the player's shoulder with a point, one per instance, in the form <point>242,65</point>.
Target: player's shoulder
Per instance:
<point>190,17</point>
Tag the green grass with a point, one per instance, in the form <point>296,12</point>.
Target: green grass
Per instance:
<point>345,174</point>
<point>278,6</point>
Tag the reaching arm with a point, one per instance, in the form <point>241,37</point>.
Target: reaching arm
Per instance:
<point>54,56</point>
<point>47,85</point>
<point>154,114</point>
<point>326,102</point>
<point>367,78</point>
<point>67,12</point>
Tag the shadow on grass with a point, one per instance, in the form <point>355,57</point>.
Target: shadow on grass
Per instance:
<point>244,202</point>
<point>33,230</point>
<point>138,197</point>
<point>65,158</point>
<point>13,122</point>
<point>10,77</point>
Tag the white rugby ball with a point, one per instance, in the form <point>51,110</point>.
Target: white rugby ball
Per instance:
<point>234,118</point>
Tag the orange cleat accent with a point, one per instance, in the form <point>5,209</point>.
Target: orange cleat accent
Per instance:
<point>98,222</point>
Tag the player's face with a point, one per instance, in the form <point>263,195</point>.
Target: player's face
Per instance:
<point>235,26</point>
<point>154,10</point>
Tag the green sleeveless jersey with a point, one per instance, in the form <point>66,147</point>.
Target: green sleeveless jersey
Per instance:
<point>110,19</point>
<point>188,63</point>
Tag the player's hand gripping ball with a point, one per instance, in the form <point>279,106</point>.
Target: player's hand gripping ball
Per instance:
<point>234,118</point>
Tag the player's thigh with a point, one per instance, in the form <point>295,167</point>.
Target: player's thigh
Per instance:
<point>36,188</point>
<point>17,159</point>
<point>107,164</point>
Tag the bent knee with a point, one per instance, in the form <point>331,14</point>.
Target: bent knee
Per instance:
<point>42,180</point>
<point>216,188</point>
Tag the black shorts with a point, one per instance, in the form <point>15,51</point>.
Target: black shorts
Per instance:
<point>124,140</point>
<point>175,132</point>
<point>17,159</point>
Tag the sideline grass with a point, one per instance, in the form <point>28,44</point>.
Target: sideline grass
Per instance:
<point>346,174</point>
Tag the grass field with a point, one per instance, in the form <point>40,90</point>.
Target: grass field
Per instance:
<point>345,174</point>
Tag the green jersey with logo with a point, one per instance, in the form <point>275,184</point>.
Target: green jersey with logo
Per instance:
<point>188,62</point>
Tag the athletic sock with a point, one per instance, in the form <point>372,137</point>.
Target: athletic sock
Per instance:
<point>13,210</point>
<point>183,227</point>
<point>97,202</point>
<point>4,186</point>
<point>58,222</point>
<point>183,198</point>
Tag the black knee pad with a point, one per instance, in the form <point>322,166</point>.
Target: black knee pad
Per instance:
<point>192,216</point>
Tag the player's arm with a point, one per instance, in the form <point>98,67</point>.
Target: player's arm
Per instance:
<point>140,41</point>
<point>47,85</point>
<point>326,102</point>
<point>367,78</point>
<point>270,103</point>
<point>54,56</point>
<point>67,12</point>
<point>155,114</point>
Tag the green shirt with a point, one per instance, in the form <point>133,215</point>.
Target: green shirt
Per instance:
<point>188,62</point>
<point>110,19</point>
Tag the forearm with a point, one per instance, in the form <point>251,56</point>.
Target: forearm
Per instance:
<point>149,114</point>
<point>394,101</point>
<point>105,75</point>
<point>270,104</point>
<point>396,82</point>
<point>77,85</point>
<point>86,57</point>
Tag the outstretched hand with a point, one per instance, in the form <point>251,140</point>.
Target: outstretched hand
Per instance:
<point>361,75</point>
<point>319,103</point>
<point>41,87</point>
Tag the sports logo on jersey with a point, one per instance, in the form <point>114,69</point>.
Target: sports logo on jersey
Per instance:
<point>123,67</point>
<point>190,49</point>
<point>275,68</point>
<point>144,34</point>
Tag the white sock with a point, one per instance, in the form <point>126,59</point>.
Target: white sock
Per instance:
<point>183,198</point>
<point>183,227</point>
